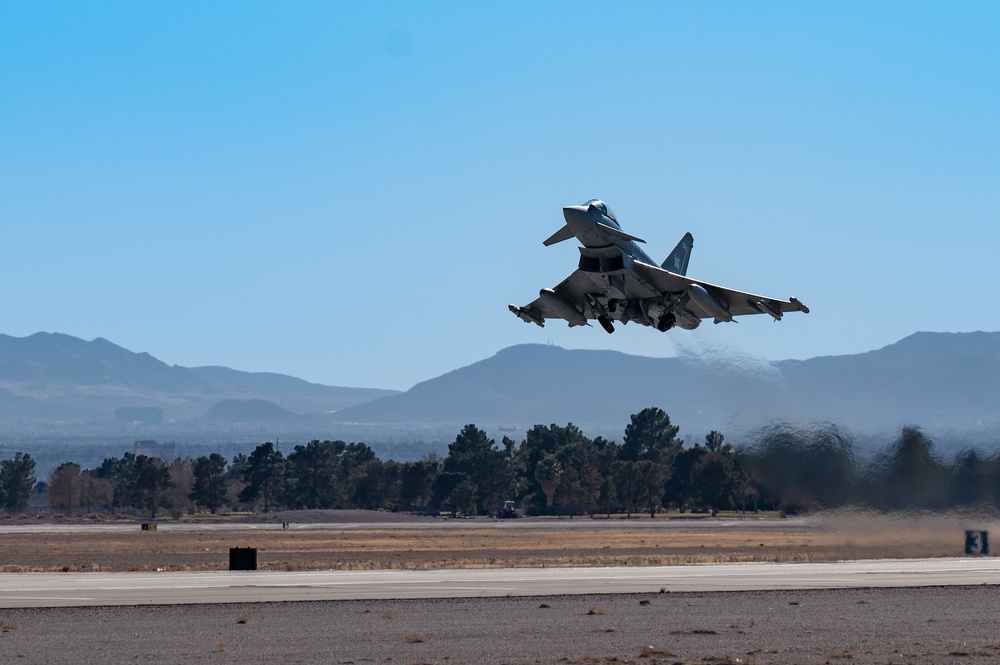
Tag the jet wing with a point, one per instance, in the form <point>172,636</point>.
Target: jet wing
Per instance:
<point>566,301</point>
<point>570,300</point>
<point>735,303</point>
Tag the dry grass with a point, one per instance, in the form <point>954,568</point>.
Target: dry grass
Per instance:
<point>596,609</point>
<point>414,638</point>
<point>535,545</point>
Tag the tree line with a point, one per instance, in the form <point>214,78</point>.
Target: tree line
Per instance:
<point>553,470</point>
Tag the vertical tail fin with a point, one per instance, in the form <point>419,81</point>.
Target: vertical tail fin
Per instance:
<point>677,262</point>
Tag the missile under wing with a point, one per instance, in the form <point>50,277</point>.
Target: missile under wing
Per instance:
<point>617,281</point>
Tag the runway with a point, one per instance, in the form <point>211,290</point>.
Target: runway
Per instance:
<point>20,590</point>
<point>419,524</point>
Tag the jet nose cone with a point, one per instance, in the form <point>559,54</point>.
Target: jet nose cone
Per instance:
<point>576,214</point>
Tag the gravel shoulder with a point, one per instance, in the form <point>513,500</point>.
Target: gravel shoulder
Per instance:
<point>928,625</point>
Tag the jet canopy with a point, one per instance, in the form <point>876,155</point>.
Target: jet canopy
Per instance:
<point>603,207</point>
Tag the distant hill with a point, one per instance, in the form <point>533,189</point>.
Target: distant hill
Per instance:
<point>53,364</point>
<point>294,394</point>
<point>248,411</point>
<point>49,377</point>
<point>945,381</point>
<point>941,380</point>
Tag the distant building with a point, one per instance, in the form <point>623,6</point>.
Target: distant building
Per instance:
<point>165,451</point>
<point>148,415</point>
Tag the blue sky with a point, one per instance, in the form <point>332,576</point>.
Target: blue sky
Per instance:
<point>352,193</point>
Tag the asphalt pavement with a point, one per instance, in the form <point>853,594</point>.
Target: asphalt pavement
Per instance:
<point>168,588</point>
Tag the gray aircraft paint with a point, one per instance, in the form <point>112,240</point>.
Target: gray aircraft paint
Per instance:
<point>617,281</point>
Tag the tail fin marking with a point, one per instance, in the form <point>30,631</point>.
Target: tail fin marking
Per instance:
<point>677,262</point>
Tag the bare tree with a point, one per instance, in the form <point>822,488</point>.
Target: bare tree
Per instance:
<point>64,487</point>
<point>181,485</point>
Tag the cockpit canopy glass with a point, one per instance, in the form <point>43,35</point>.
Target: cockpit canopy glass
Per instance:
<point>603,207</point>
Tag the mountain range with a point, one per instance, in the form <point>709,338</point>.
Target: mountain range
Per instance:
<point>947,382</point>
<point>944,382</point>
<point>50,377</point>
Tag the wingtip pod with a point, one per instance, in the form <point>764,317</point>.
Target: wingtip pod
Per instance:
<point>799,304</point>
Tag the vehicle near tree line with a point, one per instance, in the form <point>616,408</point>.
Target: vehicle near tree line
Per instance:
<point>507,511</point>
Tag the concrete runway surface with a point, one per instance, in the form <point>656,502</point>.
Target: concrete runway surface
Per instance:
<point>20,590</point>
<point>410,523</point>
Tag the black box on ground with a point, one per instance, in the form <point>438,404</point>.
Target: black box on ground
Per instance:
<point>242,558</point>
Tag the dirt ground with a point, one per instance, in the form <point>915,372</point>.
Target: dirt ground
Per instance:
<point>324,540</point>
<point>954,625</point>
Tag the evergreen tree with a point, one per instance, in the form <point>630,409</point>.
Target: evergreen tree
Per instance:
<point>150,479</point>
<point>313,474</point>
<point>17,478</point>
<point>646,457</point>
<point>264,476</point>
<point>481,467</point>
<point>356,473</point>
<point>417,481</point>
<point>604,460</point>
<point>679,489</point>
<point>801,468</point>
<point>715,441</point>
<point>583,462</point>
<point>714,480</point>
<point>374,485</point>
<point>211,482</point>
<point>443,490</point>
<point>116,472</point>
<point>539,442</point>
<point>970,478</point>
<point>909,473</point>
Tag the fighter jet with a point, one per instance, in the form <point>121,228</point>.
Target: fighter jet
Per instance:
<point>616,280</point>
